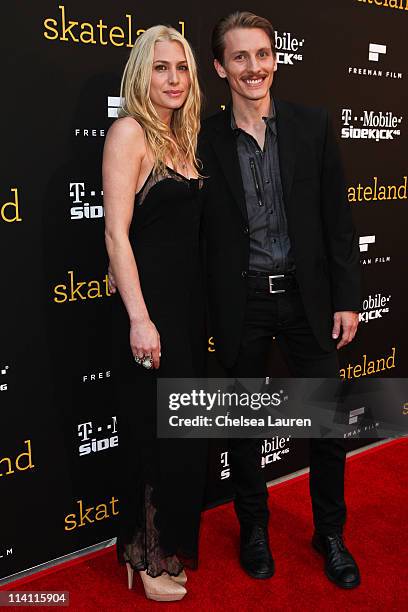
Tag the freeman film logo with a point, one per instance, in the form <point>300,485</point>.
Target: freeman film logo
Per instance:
<point>375,307</point>
<point>376,56</point>
<point>97,438</point>
<point>81,199</point>
<point>366,244</point>
<point>113,105</point>
<point>356,418</point>
<point>370,125</point>
<point>5,552</point>
<point>288,48</point>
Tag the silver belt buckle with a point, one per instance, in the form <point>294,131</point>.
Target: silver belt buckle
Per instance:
<point>271,283</point>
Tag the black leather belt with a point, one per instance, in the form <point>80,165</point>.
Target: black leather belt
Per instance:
<point>271,283</point>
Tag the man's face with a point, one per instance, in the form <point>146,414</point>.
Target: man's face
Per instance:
<point>249,64</point>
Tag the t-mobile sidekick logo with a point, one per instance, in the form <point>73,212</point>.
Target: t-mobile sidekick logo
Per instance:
<point>3,379</point>
<point>375,307</point>
<point>96,438</point>
<point>83,208</point>
<point>287,48</point>
<point>225,466</point>
<point>274,449</point>
<point>372,125</point>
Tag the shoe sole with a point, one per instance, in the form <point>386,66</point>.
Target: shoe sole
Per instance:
<point>155,597</point>
<point>342,586</point>
<point>258,576</point>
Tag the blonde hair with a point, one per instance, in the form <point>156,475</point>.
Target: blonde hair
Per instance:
<point>181,138</point>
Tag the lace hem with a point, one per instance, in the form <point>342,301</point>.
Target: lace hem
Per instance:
<point>145,552</point>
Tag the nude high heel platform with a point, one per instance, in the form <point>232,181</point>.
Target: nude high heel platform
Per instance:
<point>181,578</point>
<point>161,588</point>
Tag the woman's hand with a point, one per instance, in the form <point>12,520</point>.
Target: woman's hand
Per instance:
<point>145,340</point>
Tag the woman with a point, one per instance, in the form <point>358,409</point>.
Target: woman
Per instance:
<point>151,186</point>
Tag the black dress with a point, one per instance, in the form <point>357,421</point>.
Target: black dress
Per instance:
<point>162,480</point>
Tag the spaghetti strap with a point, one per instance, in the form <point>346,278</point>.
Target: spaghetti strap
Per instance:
<point>145,183</point>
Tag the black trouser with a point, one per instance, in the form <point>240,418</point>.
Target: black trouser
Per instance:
<point>282,315</point>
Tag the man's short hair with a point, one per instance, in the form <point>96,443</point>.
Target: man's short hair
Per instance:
<point>238,19</point>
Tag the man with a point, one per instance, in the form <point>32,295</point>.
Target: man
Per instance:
<point>282,261</point>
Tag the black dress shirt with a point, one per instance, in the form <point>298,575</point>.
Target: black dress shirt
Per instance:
<point>270,249</point>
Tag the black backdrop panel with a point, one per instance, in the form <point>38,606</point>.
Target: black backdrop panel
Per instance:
<point>59,438</point>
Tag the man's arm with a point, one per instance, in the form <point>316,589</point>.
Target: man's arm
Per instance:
<point>341,241</point>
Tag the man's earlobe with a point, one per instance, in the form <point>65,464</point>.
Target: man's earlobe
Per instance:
<point>220,69</point>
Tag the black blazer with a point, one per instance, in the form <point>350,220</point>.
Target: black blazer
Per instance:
<point>323,239</point>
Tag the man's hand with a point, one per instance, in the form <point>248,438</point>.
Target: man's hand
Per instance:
<point>111,280</point>
<point>348,322</point>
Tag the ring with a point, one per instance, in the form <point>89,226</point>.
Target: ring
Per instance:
<point>138,359</point>
<point>147,362</point>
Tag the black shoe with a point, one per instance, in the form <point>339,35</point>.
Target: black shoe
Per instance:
<point>255,555</point>
<point>340,567</point>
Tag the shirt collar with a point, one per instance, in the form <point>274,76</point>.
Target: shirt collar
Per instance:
<point>270,119</point>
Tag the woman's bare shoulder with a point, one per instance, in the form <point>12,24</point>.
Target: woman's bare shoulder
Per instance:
<point>126,131</point>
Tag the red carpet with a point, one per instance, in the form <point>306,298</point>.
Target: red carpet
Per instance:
<point>376,532</point>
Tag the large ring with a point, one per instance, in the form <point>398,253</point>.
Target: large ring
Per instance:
<point>147,361</point>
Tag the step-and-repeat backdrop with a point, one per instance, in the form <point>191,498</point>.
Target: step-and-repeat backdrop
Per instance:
<point>59,432</point>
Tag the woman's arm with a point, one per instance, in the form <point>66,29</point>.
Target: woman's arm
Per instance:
<point>123,154</point>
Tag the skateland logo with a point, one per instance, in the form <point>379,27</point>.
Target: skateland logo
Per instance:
<point>77,291</point>
<point>372,125</point>
<point>9,211</point>
<point>96,438</point>
<point>274,449</point>
<point>375,307</point>
<point>3,380</point>
<point>368,367</point>
<point>10,465</point>
<point>82,209</point>
<point>287,48</point>
<point>67,30</point>
<point>377,192</point>
<point>376,55</point>
<point>366,243</point>
<point>89,515</point>
<point>401,5</point>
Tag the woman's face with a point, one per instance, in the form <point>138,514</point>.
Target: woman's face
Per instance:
<point>170,82</point>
